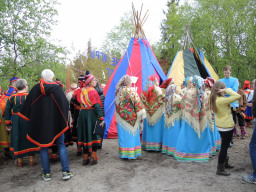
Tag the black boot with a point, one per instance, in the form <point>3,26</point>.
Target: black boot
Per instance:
<point>221,170</point>
<point>228,166</point>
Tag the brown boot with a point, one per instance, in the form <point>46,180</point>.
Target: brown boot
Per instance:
<point>86,159</point>
<point>31,161</point>
<point>19,162</point>
<point>221,170</point>
<point>93,158</point>
<point>227,165</point>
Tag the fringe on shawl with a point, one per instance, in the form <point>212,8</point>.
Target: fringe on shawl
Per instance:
<point>127,127</point>
<point>169,121</point>
<point>152,120</point>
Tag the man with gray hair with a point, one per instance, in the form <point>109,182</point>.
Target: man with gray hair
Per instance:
<point>46,109</point>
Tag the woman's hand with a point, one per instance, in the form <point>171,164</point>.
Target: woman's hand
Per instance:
<point>102,123</point>
<point>9,128</point>
<point>221,90</point>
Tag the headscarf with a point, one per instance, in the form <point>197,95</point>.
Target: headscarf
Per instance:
<point>124,81</point>
<point>166,83</point>
<point>149,87</point>
<point>186,80</point>
<point>198,82</point>
<point>209,82</point>
<point>171,89</point>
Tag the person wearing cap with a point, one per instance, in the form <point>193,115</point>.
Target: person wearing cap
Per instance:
<point>249,95</point>
<point>89,114</point>
<point>12,89</point>
<point>46,110</point>
<point>74,109</point>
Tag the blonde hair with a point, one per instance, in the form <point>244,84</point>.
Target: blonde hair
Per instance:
<point>214,93</point>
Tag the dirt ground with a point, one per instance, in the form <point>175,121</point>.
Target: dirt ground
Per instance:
<point>153,172</point>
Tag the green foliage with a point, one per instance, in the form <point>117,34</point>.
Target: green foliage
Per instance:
<point>24,46</point>
<point>97,67</point>
<point>224,30</point>
<point>118,38</point>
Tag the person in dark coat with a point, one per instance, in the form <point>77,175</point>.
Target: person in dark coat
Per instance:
<point>46,109</point>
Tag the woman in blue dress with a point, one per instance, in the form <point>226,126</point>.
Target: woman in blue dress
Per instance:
<point>172,119</point>
<point>152,98</point>
<point>194,141</point>
<point>129,116</point>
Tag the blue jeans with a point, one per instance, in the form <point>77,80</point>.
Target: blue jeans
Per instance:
<point>63,156</point>
<point>252,147</point>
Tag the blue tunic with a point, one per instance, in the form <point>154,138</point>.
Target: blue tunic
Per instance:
<point>232,83</point>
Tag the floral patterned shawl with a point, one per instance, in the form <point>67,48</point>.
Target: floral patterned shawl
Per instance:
<point>194,104</point>
<point>172,105</point>
<point>129,111</point>
<point>152,98</point>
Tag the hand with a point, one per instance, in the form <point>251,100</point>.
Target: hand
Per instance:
<point>9,128</point>
<point>249,104</point>
<point>102,123</point>
<point>221,90</point>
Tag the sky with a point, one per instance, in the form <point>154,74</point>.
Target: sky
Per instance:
<point>81,20</point>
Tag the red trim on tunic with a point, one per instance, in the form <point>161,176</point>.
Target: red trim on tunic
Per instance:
<point>4,143</point>
<point>49,144</point>
<point>101,118</point>
<point>91,143</point>
<point>36,99</point>
<point>23,117</point>
<point>58,107</point>
<point>24,151</point>
<point>8,122</point>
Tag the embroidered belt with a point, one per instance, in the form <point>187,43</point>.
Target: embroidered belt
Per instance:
<point>86,108</point>
<point>77,107</point>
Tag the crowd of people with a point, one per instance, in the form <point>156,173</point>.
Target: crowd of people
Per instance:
<point>189,123</point>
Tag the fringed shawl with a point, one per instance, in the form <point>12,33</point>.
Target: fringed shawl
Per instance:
<point>195,118</point>
<point>153,101</point>
<point>175,113</point>
<point>129,111</point>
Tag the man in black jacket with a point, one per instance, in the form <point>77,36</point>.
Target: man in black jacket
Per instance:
<point>46,109</point>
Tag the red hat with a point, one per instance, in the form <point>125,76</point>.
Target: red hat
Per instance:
<point>166,83</point>
<point>209,82</point>
<point>246,84</point>
<point>89,78</point>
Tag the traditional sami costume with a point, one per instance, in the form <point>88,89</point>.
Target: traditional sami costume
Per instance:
<point>4,136</point>
<point>172,119</point>
<point>153,100</point>
<point>89,114</point>
<point>249,95</point>
<point>46,109</point>
<point>194,142</point>
<point>129,113</point>
<point>20,145</point>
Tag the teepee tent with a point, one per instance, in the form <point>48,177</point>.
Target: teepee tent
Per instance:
<point>190,62</point>
<point>138,61</point>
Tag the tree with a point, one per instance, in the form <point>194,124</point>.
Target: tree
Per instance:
<point>224,30</point>
<point>118,38</point>
<point>24,46</point>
